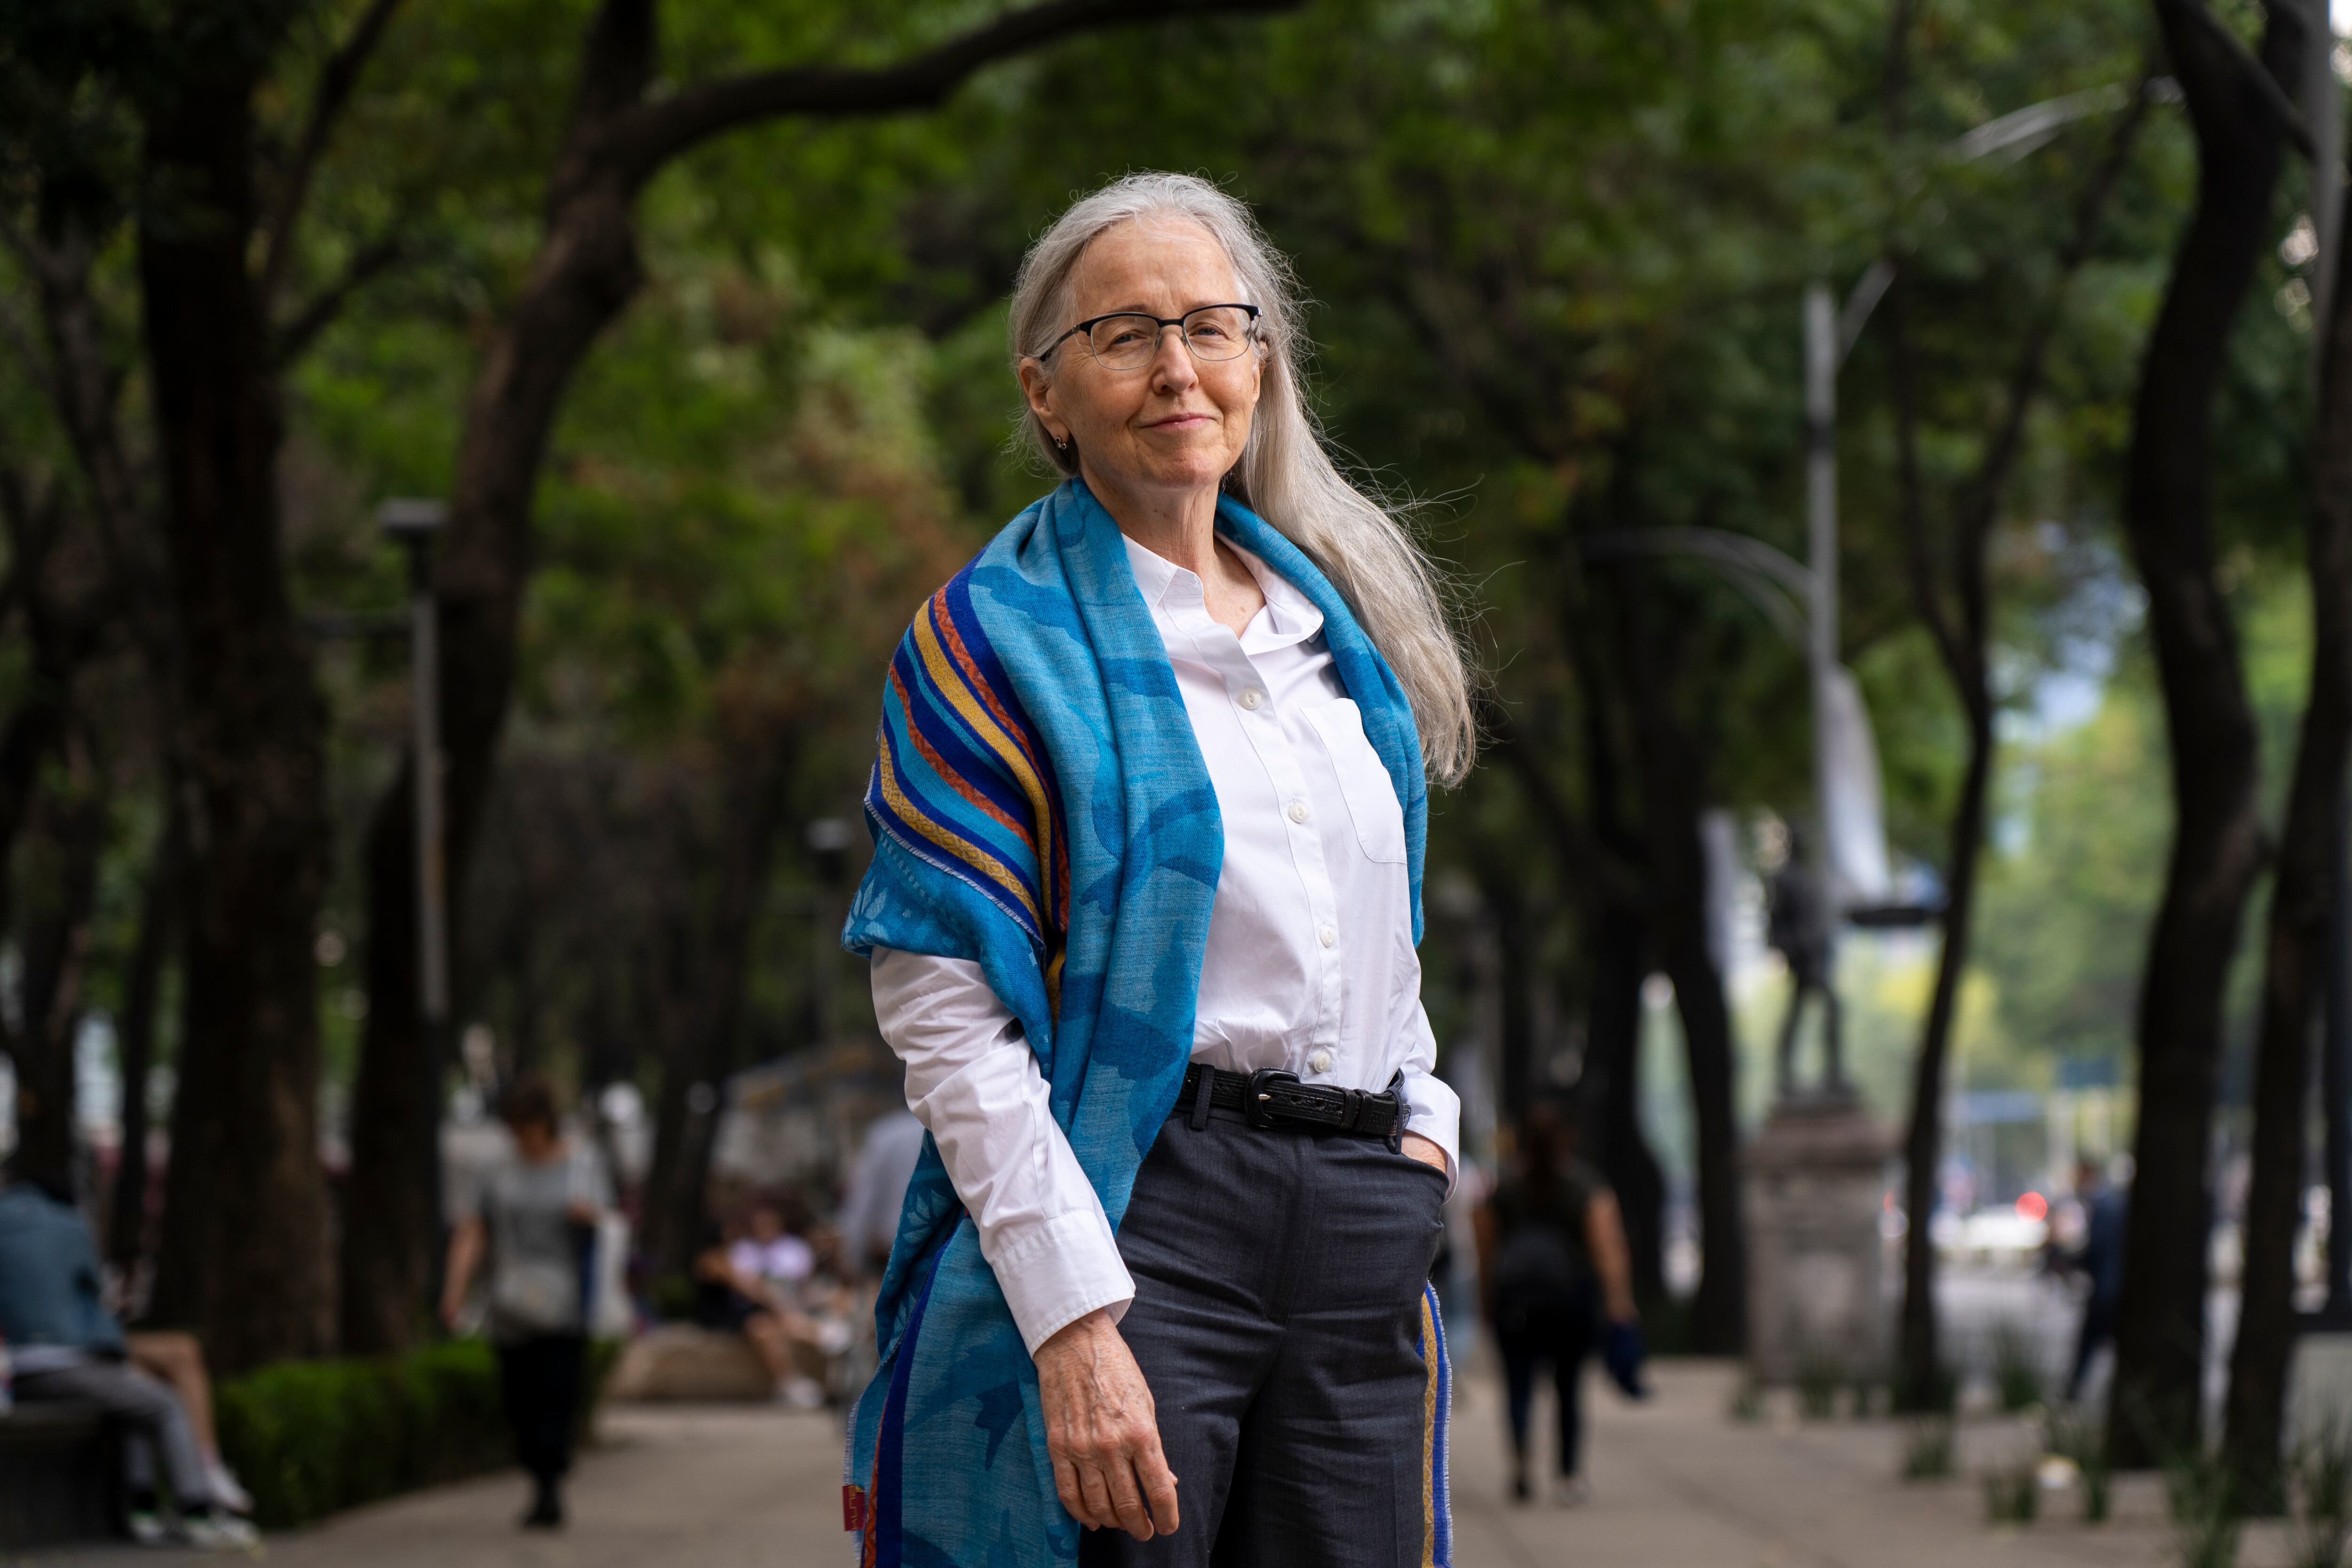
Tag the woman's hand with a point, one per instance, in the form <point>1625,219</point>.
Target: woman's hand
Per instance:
<point>1604,1240</point>
<point>1426,1150</point>
<point>1102,1430</point>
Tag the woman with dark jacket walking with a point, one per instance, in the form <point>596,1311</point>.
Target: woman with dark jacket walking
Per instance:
<point>1551,1246</point>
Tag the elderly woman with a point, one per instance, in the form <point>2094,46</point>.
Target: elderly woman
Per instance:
<point>1148,821</point>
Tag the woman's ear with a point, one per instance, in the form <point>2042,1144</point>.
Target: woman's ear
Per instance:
<point>1038,388</point>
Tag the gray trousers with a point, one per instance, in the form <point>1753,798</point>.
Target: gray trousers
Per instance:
<point>1276,1317</point>
<point>149,1407</point>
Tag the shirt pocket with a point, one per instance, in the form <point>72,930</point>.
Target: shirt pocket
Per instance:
<point>1363,781</point>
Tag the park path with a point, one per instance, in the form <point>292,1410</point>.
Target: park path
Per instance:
<point>1675,1485</point>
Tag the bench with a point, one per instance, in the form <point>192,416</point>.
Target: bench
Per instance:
<point>61,1476</point>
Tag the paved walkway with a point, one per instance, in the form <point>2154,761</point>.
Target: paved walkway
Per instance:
<point>1676,1484</point>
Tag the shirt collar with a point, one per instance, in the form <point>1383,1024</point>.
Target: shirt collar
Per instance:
<point>1289,616</point>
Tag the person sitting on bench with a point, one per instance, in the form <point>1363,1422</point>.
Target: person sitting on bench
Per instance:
<point>63,1345</point>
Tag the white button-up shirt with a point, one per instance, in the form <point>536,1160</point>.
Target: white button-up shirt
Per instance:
<point>1309,964</point>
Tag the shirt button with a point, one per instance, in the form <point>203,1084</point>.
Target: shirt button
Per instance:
<point>1298,811</point>
<point>1320,1061</point>
<point>1251,699</point>
<point>1330,935</point>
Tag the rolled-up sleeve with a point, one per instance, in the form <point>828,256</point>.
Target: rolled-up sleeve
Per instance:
<point>973,1081</point>
<point>1432,1107</point>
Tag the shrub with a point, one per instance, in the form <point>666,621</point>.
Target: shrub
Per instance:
<point>1928,1446</point>
<point>1940,1396</point>
<point>2012,1497</point>
<point>2323,1467</point>
<point>2016,1369</point>
<point>310,1438</point>
<point>1819,1374</point>
<point>2083,1440</point>
<point>2205,1526</point>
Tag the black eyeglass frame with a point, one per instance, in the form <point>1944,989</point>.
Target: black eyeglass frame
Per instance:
<point>1087,327</point>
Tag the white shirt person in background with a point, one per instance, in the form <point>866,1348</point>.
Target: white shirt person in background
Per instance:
<point>771,1294</point>
<point>877,1189</point>
<point>1247,1341</point>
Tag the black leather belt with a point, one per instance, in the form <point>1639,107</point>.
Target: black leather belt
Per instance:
<point>1272,1098</point>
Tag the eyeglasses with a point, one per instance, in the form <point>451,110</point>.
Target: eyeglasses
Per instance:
<point>1129,340</point>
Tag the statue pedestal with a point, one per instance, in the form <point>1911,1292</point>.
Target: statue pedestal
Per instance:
<point>1813,1182</point>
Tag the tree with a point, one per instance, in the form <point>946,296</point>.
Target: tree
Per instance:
<point>53,802</point>
<point>1955,602</point>
<point>2296,948</point>
<point>248,1203</point>
<point>622,134</point>
<point>2235,106</point>
<point>155,116</point>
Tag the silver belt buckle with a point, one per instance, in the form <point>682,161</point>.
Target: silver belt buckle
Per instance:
<point>1258,1109</point>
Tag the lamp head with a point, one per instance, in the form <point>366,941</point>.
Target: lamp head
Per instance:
<point>410,518</point>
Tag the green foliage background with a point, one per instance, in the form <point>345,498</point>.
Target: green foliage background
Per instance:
<point>1555,253</point>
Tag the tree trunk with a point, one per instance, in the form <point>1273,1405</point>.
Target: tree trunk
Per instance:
<point>126,1236</point>
<point>2295,978</point>
<point>667,975</point>
<point>586,272</point>
<point>1604,865</point>
<point>1612,1093</point>
<point>753,815</point>
<point>34,732</point>
<point>392,1199</point>
<point>1719,1310</point>
<point>1623,953</point>
<point>1673,772</point>
<point>1507,907</point>
<point>246,1242</point>
<point>2217,844</point>
<point>1961,643</point>
<point>53,935</point>
<point>1921,1359</point>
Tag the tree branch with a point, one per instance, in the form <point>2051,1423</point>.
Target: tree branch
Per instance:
<point>36,260</point>
<point>1911,493</point>
<point>617,62</point>
<point>336,80</point>
<point>644,138</point>
<point>295,338</point>
<point>1625,882</point>
<point>2241,62</point>
<point>2008,444</point>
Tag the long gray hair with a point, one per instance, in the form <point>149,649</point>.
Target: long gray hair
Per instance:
<point>1284,475</point>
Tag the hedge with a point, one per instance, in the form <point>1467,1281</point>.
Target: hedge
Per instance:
<point>309,1438</point>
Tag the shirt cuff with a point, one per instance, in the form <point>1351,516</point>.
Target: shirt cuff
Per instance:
<point>1434,1110</point>
<point>1057,1271</point>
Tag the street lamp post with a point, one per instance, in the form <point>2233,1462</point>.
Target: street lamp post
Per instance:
<point>414,524</point>
<point>1821,360</point>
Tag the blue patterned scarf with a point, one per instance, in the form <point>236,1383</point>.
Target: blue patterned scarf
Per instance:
<point>1039,807</point>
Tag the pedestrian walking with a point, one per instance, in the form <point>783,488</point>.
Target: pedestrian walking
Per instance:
<point>2106,1209</point>
<point>1148,815</point>
<point>534,1214</point>
<point>1551,1260</point>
